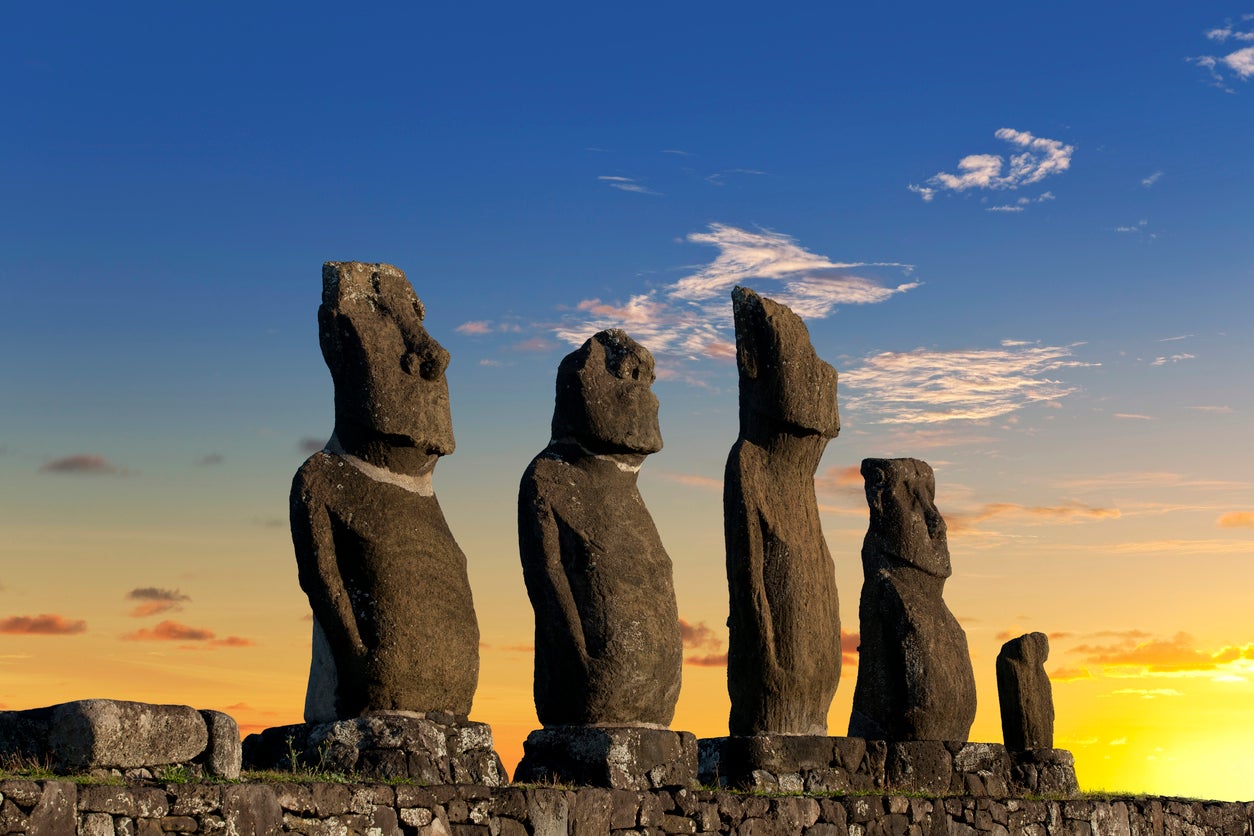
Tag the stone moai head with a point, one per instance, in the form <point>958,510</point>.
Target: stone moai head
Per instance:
<point>905,523</point>
<point>603,397</point>
<point>784,386</point>
<point>388,371</point>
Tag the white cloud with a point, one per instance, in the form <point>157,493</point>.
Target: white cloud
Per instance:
<point>1238,64</point>
<point>1174,358</point>
<point>926,386</point>
<point>626,184</point>
<point>1038,159</point>
<point>1152,179</point>
<point>692,317</point>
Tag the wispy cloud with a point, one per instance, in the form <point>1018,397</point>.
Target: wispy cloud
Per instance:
<point>691,318</point>
<point>959,521</point>
<point>86,463</point>
<point>1238,64</point>
<point>1038,159</point>
<point>173,631</point>
<point>706,483</point>
<point>1149,181</point>
<point>153,601</point>
<point>705,645</point>
<point>719,178</point>
<point>210,459</point>
<point>1020,204</point>
<point>626,184</point>
<point>1154,479</point>
<point>1177,656</point>
<point>927,386</point>
<point>1134,416</point>
<point>1236,519</point>
<point>1173,358</point>
<point>44,624</point>
<point>310,445</point>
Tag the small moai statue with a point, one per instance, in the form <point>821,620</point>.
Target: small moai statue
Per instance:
<point>915,680</point>
<point>1026,697</point>
<point>394,624</point>
<point>783,661</point>
<point>608,647</point>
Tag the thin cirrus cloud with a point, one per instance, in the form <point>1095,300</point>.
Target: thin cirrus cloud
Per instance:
<point>626,184</point>
<point>705,645</point>
<point>84,463</point>
<point>1074,512</point>
<point>151,600</point>
<point>44,624</point>
<point>1133,656</point>
<point>927,386</point>
<point>691,318</point>
<point>1238,64</point>
<point>173,631</point>
<point>1039,158</point>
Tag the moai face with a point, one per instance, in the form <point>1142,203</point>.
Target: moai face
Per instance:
<point>901,495</point>
<point>388,371</point>
<point>782,380</point>
<point>603,397</point>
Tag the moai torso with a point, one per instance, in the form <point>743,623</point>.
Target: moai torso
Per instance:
<point>784,625</point>
<point>1025,695</point>
<point>608,647</point>
<point>394,622</point>
<point>914,671</point>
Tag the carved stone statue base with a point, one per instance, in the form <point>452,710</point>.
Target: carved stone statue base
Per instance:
<point>618,757</point>
<point>432,748</point>
<point>811,763</point>
<point>792,763</point>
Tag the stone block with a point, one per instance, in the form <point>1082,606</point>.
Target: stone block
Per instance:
<point>117,734</point>
<point>433,748</point>
<point>223,754</point>
<point>1043,772</point>
<point>919,766</point>
<point>619,757</point>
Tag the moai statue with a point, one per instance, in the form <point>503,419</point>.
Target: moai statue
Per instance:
<point>783,660</point>
<point>608,646</point>
<point>1023,689</point>
<point>394,623</point>
<point>914,671</point>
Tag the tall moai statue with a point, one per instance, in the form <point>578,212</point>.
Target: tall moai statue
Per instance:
<point>394,624</point>
<point>608,647</point>
<point>1024,693</point>
<point>783,660</point>
<point>914,671</point>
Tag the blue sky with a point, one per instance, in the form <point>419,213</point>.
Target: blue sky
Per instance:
<point>1020,233</point>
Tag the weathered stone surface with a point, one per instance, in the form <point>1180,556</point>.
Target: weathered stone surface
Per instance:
<point>1026,697</point>
<point>784,625</point>
<point>623,757</point>
<point>55,814</point>
<point>914,671</point>
<point>88,734</point>
<point>251,810</point>
<point>433,749</point>
<point>394,622</point>
<point>1043,772</point>
<point>608,646</point>
<point>222,755</point>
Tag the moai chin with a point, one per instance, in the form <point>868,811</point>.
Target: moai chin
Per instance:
<point>1025,694</point>
<point>394,622</point>
<point>783,661</point>
<point>608,646</point>
<point>914,671</point>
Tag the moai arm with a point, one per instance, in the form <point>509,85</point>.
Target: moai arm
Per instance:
<point>313,536</point>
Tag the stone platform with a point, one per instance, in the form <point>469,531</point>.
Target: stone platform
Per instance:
<point>432,748</point>
<point>617,757</point>
<point>809,763</point>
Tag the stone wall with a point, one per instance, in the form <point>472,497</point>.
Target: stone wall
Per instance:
<point>62,808</point>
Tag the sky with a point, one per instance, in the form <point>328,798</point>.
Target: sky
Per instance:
<point>1020,233</point>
